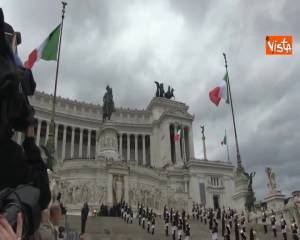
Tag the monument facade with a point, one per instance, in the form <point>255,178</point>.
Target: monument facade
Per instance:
<point>133,156</point>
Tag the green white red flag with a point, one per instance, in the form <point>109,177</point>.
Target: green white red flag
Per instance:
<point>47,50</point>
<point>224,141</point>
<point>220,92</point>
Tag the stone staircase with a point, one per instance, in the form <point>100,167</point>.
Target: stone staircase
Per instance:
<point>114,228</point>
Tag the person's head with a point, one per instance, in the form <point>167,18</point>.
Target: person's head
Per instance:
<point>55,214</point>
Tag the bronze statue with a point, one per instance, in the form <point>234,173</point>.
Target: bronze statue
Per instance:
<point>108,104</point>
<point>250,200</point>
<point>170,93</point>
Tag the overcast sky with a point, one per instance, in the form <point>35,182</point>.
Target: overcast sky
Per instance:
<point>131,44</point>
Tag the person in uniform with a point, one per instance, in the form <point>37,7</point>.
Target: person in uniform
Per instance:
<point>227,232</point>
<point>214,230</point>
<point>148,222</point>
<point>205,216</point>
<point>187,232</point>
<point>264,221</point>
<point>283,227</point>
<point>236,227</point>
<point>273,223</point>
<point>223,221</point>
<point>153,224</point>
<point>294,228</point>
<point>252,235</point>
<point>167,220</point>
<point>143,218</point>
<point>174,227</point>
<point>179,227</point>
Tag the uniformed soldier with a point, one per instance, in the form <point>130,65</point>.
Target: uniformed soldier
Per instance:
<point>214,230</point>
<point>143,218</point>
<point>153,224</point>
<point>179,227</point>
<point>283,227</point>
<point>187,232</point>
<point>252,235</point>
<point>264,221</point>
<point>174,227</point>
<point>227,232</point>
<point>167,220</point>
<point>236,227</point>
<point>294,228</point>
<point>205,216</point>
<point>273,223</point>
<point>148,222</point>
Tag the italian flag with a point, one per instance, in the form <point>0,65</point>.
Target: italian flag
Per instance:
<point>47,50</point>
<point>224,142</point>
<point>178,135</point>
<point>220,92</point>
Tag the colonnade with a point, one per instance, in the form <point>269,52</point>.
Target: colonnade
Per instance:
<point>180,149</point>
<point>135,147</point>
<point>70,141</point>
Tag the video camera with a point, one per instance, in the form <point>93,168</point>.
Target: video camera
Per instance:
<point>24,199</point>
<point>16,84</point>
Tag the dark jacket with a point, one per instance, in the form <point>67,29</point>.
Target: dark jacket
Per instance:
<point>24,166</point>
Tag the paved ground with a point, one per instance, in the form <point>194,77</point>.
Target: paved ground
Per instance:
<point>112,228</point>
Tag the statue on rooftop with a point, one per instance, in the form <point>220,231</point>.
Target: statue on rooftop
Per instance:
<point>108,104</point>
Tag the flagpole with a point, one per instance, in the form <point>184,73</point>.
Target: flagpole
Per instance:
<point>239,161</point>
<point>228,159</point>
<point>50,143</point>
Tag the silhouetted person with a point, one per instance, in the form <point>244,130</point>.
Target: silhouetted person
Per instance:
<point>84,215</point>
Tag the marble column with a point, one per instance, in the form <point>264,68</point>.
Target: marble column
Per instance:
<point>56,137</point>
<point>47,132</point>
<point>144,150</point>
<point>183,145</point>
<point>38,133</point>
<point>191,142</point>
<point>136,148</point>
<point>121,145</point>
<point>110,190</point>
<point>80,142</point>
<point>128,147</point>
<point>89,144</point>
<point>126,189</point>
<point>72,141</point>
<point>63,155</point>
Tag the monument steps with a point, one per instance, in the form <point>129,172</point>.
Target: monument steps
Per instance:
<point>114,228</point>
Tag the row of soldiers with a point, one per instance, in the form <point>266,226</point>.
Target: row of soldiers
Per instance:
<point>283,225</point>
<point>146,216</point>
<point>179,222</point>
<point>126,212</point>
<point>230,219</point>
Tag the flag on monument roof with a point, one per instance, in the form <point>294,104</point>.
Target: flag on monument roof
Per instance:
<point>224,141</point>
<point>47,50</point>
<point>219,92</point>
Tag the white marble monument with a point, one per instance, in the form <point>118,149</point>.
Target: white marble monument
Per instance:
<point>132,157</point>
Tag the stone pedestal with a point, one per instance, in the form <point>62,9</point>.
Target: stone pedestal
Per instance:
<point>241,190</point>
<point>275,201</point>
<point>107,143</point>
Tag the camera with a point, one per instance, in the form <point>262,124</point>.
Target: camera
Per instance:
<point>24,199</point>
<point>16,84</point>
